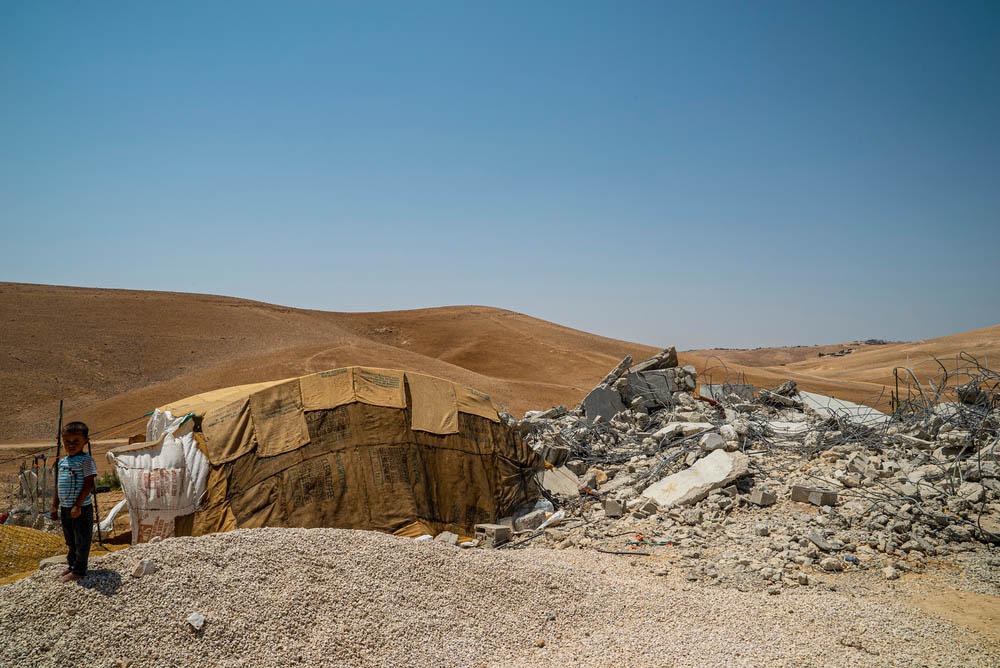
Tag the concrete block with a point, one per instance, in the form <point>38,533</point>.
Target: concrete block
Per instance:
<point>814,495</point>
<point>761,497</point>
<point>646,508</point>
<point>614,507</point>
<point>492,535</point>
<point>556,454</point>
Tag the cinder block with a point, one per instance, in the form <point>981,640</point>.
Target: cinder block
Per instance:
<point>614,508</point>
<point>492,535</point>
<point>813,495</point>
<point>761,497</point>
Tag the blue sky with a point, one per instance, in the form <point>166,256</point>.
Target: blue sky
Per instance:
<point>732,174</point>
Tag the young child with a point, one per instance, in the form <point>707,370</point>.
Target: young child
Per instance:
<point>72,503</point>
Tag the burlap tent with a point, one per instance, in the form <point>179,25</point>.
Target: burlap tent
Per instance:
<point>356,447</point>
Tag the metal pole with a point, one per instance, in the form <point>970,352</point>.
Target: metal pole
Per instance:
<point>55,467</point>
<point>93,494</point>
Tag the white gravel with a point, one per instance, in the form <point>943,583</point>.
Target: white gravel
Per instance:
<point>332,597</point>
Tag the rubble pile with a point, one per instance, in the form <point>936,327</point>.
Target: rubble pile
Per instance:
<point>776,489</point>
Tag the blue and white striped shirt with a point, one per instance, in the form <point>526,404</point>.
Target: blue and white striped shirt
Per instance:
<point>72,472</point>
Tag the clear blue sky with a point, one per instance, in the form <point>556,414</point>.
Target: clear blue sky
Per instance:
<point>732,174</point>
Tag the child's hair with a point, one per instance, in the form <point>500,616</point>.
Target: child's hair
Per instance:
<point>77,428</point>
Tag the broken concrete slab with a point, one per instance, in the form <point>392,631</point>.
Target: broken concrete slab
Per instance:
<point>848,410</point>
<point>604,402</point>
<point>666,359</point>
<point>651,389</point>
<point>559,481</point>
<point>530,521</point>
<point>676,429</point>
<point>693,484</point>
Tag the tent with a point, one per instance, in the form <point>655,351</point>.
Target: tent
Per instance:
<point>355,447</point>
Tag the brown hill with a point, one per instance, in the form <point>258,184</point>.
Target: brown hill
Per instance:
<point>115,354</point>
<point>864,376</point>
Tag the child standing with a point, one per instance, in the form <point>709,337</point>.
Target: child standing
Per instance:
<point>72,502</point>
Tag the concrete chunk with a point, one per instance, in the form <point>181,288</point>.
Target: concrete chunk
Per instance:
<point>652,389</point>
<point>560,481</point>
<point>614,508</point>
<point>761,497</point>
<point>814,495</point>
<point>447,537</point>
<point>604,402</point>
<point>492,535</point>
<point>693,484</point>
<point>710,442</point>
<point>530,521</point>
<point>646,508</point>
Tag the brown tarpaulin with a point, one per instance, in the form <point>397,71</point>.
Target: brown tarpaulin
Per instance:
<point>359,448</point>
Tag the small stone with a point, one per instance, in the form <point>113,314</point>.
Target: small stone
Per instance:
<point>447,537</point>
<point>890,573</point>
<point>817,539</point>
<point>762,530</point>
<point>832,565</point>
<point>540,643</point>
<point>691,516</point>
<point>196,620</point>
<point>710,442</point>
<point>144,567</point>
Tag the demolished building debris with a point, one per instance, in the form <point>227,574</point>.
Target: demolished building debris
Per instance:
<point>836,480</point>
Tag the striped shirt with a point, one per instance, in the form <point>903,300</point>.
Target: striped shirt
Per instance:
<point>72,472</point>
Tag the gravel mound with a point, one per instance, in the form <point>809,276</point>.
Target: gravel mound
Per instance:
<point>331,597</point>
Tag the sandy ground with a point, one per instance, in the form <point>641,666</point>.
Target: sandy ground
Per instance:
<point>327,597</point>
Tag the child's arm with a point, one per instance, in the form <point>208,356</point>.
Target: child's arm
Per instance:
<point>90,475</point>
<point>88,487</point>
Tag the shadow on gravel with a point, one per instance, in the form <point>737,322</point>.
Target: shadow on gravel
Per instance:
<point>103,581</point>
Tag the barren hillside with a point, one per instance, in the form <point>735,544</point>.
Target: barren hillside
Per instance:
<point>865,376</point>
<point>116,354</point>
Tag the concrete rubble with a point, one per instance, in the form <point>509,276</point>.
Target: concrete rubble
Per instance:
<point>645,465</point>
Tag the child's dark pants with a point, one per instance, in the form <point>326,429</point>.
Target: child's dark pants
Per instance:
<point>78,532</point>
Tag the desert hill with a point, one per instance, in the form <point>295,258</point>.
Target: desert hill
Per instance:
<point>864,376</point>
<point>116,354</point>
